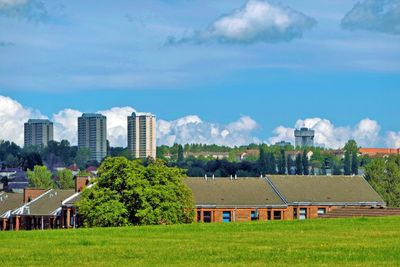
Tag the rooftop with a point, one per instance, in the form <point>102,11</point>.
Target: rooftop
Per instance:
<point>9,202</point>
<point>37,121</point>
<point>92,115</point>
<point>227,192</point>
<point>325,189</point>
<point>142,114</point>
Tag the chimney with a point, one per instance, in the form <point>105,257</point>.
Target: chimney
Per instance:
<point>32,193</point>
<point>81,182</point>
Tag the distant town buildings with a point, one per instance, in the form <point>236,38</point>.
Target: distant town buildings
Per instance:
<point>92,134</point>
<point>38,133</point>
<point>142,135</point>
<point>304,137</point>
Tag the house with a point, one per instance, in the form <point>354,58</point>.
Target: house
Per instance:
<point>379,152</point>
<point>243,199</point>
<point>278,197</point>
<point>308,197</point>
<point>8,202</point>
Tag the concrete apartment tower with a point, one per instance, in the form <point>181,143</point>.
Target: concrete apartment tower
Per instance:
<point>304,137</point>
<point>142,135</point>
<point>92,134</point>
<point>38,133</point>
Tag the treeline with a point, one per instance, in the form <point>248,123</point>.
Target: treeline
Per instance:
<point>272,160</point>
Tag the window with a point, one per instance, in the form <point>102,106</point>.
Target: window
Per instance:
<point>277,215</point>
<point>254,215</point>
<point>269,215</point>
<point>207,216</point>
<point>321,211</point>
<point>303,214</point>
<point>226,216</point>
<point>295,213</point>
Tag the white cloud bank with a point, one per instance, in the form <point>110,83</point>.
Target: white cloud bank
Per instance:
<point>257,21</point>
<point>366,133</point>
<point>374,15</point>
<point>189,129</point>
<point>192,129</point>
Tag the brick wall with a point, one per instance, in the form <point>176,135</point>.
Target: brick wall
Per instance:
<point>32,193</point>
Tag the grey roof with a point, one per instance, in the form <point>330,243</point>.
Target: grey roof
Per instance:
<point>46,204</point>
<point>34,121</point>
<point>9,202</point>
<point>92,115</point>
<point>325,189</point>
<point>226,192</point>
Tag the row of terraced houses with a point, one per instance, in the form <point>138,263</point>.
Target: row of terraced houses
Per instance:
<point>216,199</point>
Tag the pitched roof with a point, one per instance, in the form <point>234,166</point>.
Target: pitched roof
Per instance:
<point>325,189</point>
<point>226,192</point>
<point>9,202</point>
<point>46,204</point>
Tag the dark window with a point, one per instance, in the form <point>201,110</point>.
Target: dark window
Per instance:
<point>226,216</point>
<point>207,216</point>
<point>254,215</point>
<point>269,215</point>
<point>277,215</point>
<point>295,213</point>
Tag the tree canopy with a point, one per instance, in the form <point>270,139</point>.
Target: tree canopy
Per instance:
<point>128,193</point>
<point>40,177</point>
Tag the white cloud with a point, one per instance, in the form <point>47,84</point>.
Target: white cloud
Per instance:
<point>66,125</point>
<point>257,21</point>
<point>117,124</point>
<point>191,129</point>
<point>12,118</point>
<point>393,139</point>
<point>374,15</point>
<point>366,133</point>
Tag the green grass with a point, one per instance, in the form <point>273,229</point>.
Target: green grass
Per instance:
<point>339,242</point>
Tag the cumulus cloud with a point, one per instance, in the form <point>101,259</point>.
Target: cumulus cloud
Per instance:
<point>393,139</point>
<point>366,133</point>
<point>374,15</point>
<point>256,21</point>
<point>32,10</point>
<point>117,124</point>
<point>12,118</point>
<point>66,125</point>
<point>191,129</point>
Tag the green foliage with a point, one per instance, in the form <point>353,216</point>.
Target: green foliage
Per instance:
<point>306,163</point>
<point>351,162</point>
<point>347,163</point>
<point>154,194</point>
<point>282,163</point>
<point>102,207</point>
<point>82,158</point>
<point>384,176</point>
<point>40,177</point>
<point>299,165</point>
<point>65,179</point>
<point>180,153</point>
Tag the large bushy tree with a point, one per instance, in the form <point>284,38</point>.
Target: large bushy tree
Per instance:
<point>154,194</point>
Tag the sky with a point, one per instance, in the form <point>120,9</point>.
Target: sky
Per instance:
<point>229,72</point>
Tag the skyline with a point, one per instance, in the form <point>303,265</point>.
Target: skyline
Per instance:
<point>286,61</point>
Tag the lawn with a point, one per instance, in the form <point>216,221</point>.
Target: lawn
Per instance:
<point>334,242</point>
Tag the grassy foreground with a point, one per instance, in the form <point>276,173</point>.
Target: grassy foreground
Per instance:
<point>345,242</point>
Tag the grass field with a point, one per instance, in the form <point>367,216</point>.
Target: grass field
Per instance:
<point>339,242</point>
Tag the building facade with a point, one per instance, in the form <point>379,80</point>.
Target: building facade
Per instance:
<point>142,135</point>
<point>92,135</point>
<point>38,133</point>
<point>304,137</point>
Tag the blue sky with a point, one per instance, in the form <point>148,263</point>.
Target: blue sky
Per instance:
<point>337,61</point>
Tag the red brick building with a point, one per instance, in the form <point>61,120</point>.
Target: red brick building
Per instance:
<point>278,197</point>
